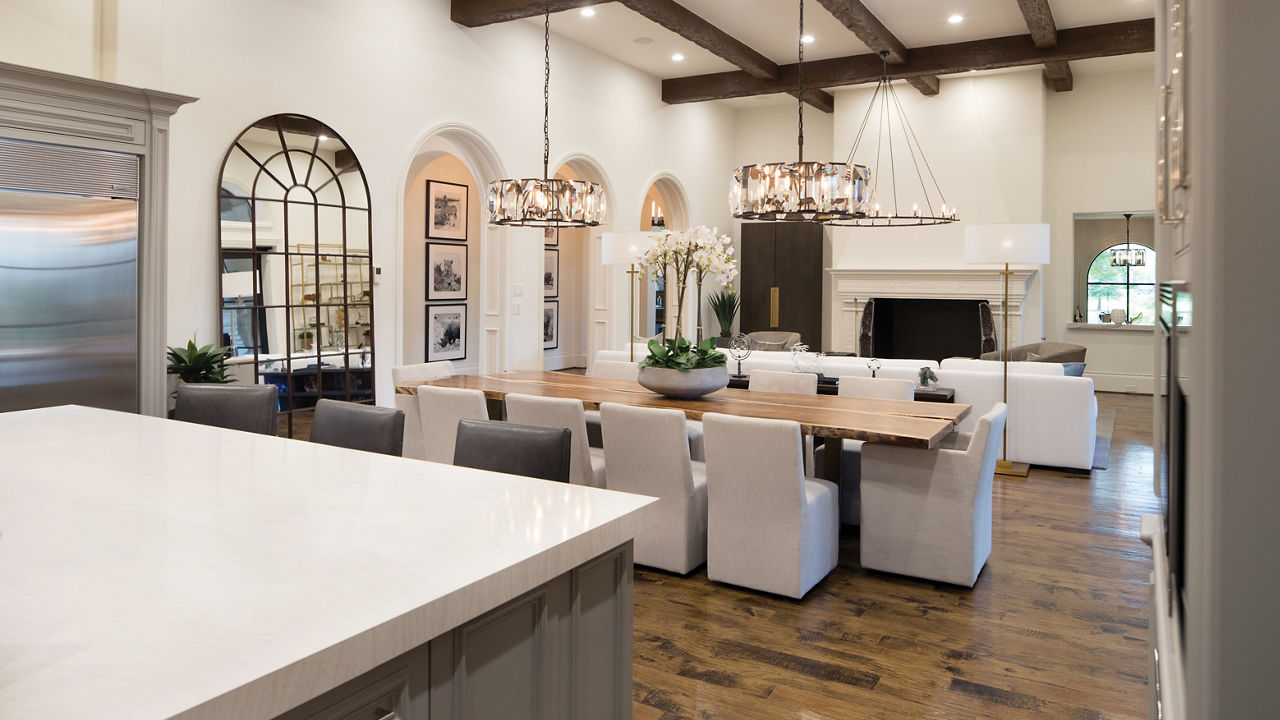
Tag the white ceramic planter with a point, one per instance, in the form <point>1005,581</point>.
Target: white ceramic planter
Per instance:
<point>684,384</point>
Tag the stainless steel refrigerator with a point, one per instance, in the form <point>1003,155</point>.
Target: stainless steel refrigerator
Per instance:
<point>68,277</point>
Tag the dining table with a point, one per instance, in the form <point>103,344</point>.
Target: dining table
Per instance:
<point>833,418</point>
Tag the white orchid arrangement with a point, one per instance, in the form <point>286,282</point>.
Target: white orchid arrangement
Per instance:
<point>700,251</point>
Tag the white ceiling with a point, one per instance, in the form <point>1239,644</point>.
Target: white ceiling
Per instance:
<point>769,27</point>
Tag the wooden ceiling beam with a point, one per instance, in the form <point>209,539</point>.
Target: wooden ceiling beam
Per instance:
<point>868,28</point>
<point>1122,38</point>
<point>690,26</point>
<point>1044,33</point>
<point>819,99</point>
<point>477,13</point>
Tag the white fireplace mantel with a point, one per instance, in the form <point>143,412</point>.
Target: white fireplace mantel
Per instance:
<point>853,287</point>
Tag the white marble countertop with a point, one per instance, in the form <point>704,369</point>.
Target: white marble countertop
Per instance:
<point>157,569</point>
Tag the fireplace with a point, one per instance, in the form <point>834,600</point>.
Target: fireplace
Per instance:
<point>927,329</point>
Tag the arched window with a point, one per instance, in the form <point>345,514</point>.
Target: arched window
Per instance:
<point>1128,287</point>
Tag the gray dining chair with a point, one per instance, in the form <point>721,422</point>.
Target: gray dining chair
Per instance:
<point>251,408</point>
<point>358,427</point>
<point>514,449</point>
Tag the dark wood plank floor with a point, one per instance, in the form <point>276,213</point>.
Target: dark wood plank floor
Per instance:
<point>1055,627</point>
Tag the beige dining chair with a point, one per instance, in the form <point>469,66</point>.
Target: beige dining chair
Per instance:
<point>439,410</point>
<point>622,370</point>
<point>769,527</point>
<point>587,463</point>
<point>647,453</point>
<point>851,455</point>
<point>788,382</point>
<point>406,374</point>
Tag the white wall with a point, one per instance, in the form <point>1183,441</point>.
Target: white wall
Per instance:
<point>382,74</point>
<point>1100,152</point>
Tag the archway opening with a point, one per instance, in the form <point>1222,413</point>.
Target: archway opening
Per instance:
<point>575,285</point>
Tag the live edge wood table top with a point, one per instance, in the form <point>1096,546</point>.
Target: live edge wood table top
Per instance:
<point>893,422</point>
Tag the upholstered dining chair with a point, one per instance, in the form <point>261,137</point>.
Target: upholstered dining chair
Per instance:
<point>769,527</point>
<point>514,449</point>
<point>787,382</point>
<point>620,370</point>
<point>439,410</point>
<point>647,452</point>
<point>587,463</point>
<point>251,408</point>
<point>405,374</point>
<point>358,427</point>
<point>927,513</point>
<point>851,457</point>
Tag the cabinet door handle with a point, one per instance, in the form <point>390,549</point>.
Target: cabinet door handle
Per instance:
<point>384,714</point>
<point>773,306</point>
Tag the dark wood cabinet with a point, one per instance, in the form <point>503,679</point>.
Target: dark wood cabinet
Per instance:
<point>782,259</point>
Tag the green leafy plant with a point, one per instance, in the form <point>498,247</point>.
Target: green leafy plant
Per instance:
<point>194,364</point>
<point>680,354</point>
<point>724,305</point>
<point>927,376</point>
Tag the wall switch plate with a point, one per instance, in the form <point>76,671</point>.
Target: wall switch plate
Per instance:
<point>517,290</point>
<point>377,275</point>
<point>515,309</point>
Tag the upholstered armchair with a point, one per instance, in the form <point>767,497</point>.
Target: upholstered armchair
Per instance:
<point>1055,352</point>
<point>773,340</point>
<point>927,513</point>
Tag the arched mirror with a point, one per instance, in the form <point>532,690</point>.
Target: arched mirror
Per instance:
<point>297,266</point>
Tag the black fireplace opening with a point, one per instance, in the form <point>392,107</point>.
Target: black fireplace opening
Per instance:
<point>926,329</point>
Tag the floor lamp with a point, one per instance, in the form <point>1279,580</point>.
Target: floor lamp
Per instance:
<point>1005,244</point>
<point>624,248</point>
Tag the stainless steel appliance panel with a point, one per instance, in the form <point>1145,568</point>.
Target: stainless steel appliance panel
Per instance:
<point>68,301</point>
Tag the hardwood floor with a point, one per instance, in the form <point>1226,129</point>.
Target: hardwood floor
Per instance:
<point>1055,627</point>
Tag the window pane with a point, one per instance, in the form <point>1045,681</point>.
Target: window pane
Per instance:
<point>1101,269</point>
<point>1142,299</point>
<point>1144,273</point>
<point>1102,299</point>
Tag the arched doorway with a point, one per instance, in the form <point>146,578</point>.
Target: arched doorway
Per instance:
<point>576,320</point>
<point>665,206</point>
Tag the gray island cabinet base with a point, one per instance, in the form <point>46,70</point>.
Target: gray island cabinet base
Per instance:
<point>562,650</point>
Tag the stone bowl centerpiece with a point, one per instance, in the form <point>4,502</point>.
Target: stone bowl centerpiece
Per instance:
<point>679,369</point>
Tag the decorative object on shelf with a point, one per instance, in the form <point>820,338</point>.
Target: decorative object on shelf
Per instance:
<point>199,364</point>
<point>550,324</point>
<point>700,251</point>
<point>1134,320</point>
<point>656,221</point>
<point>625,249</point>
<point>551,273</point>
<point>446,271</point>
<point>1007,243</point>
<point>1171,161</point>
<point>1128,256</point>
<point>890,208</point>
<point>724,305</point>
<point>446,210</point>
<point>304,339</point>
<point>551,236</point>
<point>446,332</point>
<point>798,191</point>
<point>803,361</point>
<point>1118,316</point>
<point>546,201</point>
<point>873,365</point>
<point>927,375</point>
<point>739,349</point>
<point>1104,317</point>
<point>1078,315</point>
<point>680,369</point>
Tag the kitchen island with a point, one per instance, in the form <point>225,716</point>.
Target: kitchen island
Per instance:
<point>157,569</point>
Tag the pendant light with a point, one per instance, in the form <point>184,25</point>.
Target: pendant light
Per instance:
<point>545,201</point>
<point>896,203</point>
<point>1129,256</point>
<point>798,191</point>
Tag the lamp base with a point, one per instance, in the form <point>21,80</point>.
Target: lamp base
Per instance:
<point>1012,469</point>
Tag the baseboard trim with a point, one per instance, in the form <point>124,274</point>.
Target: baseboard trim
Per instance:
<point>1121,382</point>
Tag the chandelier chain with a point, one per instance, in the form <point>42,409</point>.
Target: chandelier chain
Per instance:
<point>800,94</point>
<point>546,92</point>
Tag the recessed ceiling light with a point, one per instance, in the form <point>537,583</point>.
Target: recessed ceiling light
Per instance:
<point>678,57</point>
<point>322,138</point>
<point>956,19</point>
<point>806,39</point>
<point>587,12</point>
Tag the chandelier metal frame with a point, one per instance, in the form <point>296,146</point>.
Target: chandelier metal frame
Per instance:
<point>1129,256</point>
<point>545,201</point>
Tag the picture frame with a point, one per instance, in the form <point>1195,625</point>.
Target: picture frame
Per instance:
<point>551,273</point>
<point>447,210</point>
<point>446,271</point>
<point>446,331</point>
<point>551,236</point>
<point>550,324</point>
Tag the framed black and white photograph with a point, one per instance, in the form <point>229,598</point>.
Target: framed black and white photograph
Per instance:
<point>551,236</point>
<point>446,271</point>
<point>551,273</point>
<point>446,210</point>
<point>446,332</point>
<point>550,325</point>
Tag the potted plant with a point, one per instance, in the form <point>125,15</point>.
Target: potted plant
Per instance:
<point>700,252</point>
<point>724,305</point>
<point>304,339</point>
<point>679,369</point>
<point>193,364</point>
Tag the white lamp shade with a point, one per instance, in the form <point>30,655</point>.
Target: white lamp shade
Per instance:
<point>623,248</point>
<point>1007,243</point>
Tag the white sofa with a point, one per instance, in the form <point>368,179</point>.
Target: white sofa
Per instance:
<point>1052,418</point>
